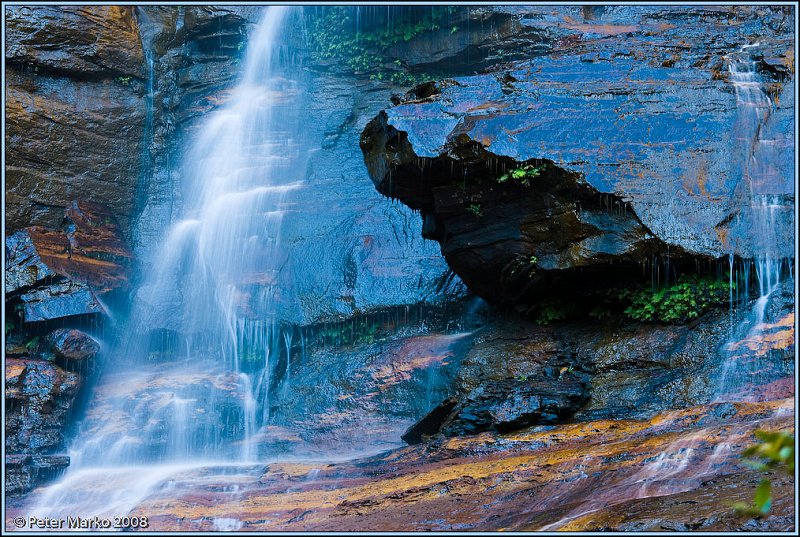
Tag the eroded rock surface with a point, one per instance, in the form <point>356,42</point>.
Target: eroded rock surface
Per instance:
<point>639,107</point>
<point>66,272</point>
<point>533,480</point>
<point>39,398</point>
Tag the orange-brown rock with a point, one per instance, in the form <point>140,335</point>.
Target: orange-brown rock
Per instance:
<point>550,478</point>
<point>54,273</point>
<point>92,251</point>
<point>75,111</point>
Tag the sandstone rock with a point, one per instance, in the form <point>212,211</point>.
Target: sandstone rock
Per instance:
<point>74,111</point>
<point>516,482</point>
<point>72,346</point>
<point>39,398</point>
<point>62,273</point>
<point>24,266</point>
<point>59,300</point>
<point>76,40</point>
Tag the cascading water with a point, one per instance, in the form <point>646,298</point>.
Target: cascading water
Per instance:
<point>220,262</point>
<point>757,222</point>
<point>216,271</point>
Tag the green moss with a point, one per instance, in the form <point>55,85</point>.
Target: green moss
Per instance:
<point>677,304</point>
<point>333,36</point>
<point>33,344</point>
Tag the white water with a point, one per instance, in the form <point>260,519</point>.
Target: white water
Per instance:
<point>216,271</point>
<point>759,216</point>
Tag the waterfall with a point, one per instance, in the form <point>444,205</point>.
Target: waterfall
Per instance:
<point>218,268</point>
<point>681,465</point>
<point>217,272</point>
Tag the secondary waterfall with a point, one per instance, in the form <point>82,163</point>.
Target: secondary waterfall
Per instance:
<point>682,465</point>
<point>758,216</point>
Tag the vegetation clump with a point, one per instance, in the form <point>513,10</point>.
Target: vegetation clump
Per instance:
<point>333,35</point>
<point>680,303</point>
<point>522,175</point>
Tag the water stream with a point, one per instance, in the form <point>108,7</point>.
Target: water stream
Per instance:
<point>216,271</point>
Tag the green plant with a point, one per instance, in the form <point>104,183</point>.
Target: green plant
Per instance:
<point>774,450</point>
<point>124,80</point>
<point>454,29</point>
<point>9,326</point>
<point>679,303</point>
<point>522,175</point>
<point>522,378</point>
<point>33,343</point>
<point>333,36</point>
<point>550,310</point>
<point>476,210</point>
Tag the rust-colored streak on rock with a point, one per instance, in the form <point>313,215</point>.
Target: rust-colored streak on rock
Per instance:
<point>414,354</point>
<point>96,255</point>
<point>769,337</point>
<point>488,482</point>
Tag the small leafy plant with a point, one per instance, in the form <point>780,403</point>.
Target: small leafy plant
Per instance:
<point>476,210</point>
<point>774,450</point>
<point>124,80</point>
<point>679,303</point>
<point>33,344</point>
<point>522,175</point>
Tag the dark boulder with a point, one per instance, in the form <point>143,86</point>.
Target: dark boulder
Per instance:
<point>72,347</point>
<point>502,407</point>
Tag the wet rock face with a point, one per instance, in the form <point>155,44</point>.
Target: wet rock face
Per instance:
<point>516,373</point>
<point>511,229</point>
<point>54,273</point>
<point>504,406</point>
<point>81,41</point>
<point>74,111</point>
<point>72,347</point>
<point>372,392</point>
<point>39,399</point>
<point>586,476</point>
<point>602,106</point>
